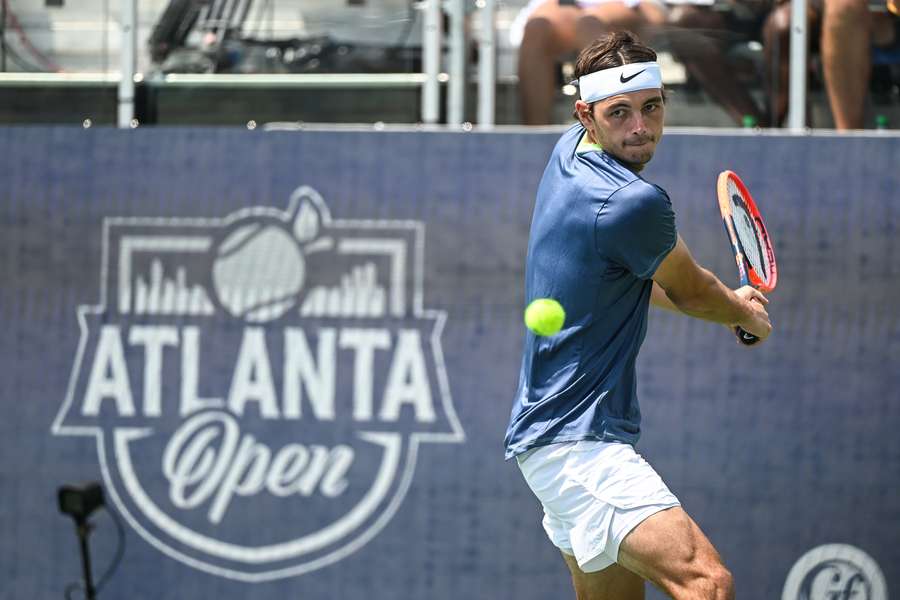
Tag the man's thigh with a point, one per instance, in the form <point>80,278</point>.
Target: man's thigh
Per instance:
<point>669,550</point>
<point>612,583</point>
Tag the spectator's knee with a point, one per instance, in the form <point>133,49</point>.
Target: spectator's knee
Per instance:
<point>778,23</point>
<point>588,27</point>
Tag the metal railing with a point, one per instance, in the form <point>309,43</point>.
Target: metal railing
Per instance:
<point>430,79</point>
<point>439,68</point>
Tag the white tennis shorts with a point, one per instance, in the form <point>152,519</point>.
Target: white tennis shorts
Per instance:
<point>593,493</point>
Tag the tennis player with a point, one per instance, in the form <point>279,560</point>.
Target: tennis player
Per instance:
<point>604,244</point>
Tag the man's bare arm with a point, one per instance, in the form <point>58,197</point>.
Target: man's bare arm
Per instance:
<point>659,299</point>
<point>695,291</point>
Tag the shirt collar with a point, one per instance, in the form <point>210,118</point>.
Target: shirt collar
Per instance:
<point>586,145</point>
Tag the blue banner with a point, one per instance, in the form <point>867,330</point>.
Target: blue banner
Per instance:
<point>289,358</point>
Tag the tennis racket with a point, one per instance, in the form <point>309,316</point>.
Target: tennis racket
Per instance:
<point>749,239</point>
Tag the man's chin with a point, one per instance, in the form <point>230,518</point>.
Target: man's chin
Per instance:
<point>636,158</point>
<point>636,152</point>
<point>644,157</point>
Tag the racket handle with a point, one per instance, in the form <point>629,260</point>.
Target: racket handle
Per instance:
<point>745,337</point>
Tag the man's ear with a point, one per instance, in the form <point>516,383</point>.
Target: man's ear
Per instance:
<point>583,112</point>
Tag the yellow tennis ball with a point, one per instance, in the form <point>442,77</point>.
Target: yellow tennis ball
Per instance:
<point>545,316</point>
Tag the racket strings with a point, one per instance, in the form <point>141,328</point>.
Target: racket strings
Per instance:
<point>749,235</point>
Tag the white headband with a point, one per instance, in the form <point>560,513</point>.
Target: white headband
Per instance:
<point>619,80</point>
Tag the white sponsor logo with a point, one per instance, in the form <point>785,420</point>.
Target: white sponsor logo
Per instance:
<point>258,385</point>
<point>835,572</point>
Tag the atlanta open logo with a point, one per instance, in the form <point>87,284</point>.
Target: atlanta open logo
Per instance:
<point>259,384</point>
<point>835,572</point>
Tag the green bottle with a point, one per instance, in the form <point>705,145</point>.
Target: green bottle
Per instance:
<point>749,121</point>
<point>881,122</point>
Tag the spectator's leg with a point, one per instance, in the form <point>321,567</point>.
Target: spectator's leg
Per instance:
<point>776,54</point>
<point>549,33</point>
<point>697,43</point>
<point>607,17</point>
<point>654,17</point>
<point>846,59</point>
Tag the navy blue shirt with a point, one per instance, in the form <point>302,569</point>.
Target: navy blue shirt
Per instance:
<point>598,234</point>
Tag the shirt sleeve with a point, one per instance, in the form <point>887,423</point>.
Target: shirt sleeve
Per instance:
<point>635,228</point>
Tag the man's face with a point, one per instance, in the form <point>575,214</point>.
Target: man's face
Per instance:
<point>628,126</point>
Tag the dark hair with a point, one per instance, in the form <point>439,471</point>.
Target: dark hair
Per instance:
<point>612,50</point>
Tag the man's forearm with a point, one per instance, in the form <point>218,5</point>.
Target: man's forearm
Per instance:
<point>712,301</point>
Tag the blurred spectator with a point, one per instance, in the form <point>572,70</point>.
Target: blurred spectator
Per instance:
<point>847,31</point>
<point>552,29</point>
<point>700,36</point>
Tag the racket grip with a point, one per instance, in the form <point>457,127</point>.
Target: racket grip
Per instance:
<point>745,337</point>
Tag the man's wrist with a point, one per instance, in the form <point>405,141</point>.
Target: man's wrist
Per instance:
<point>744,311</point>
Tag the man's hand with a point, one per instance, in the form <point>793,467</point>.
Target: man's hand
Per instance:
<point>757,320</point>
<point>695,291</point>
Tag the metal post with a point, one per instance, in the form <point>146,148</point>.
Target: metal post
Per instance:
<point>128,51</point>
<point>456,89</point>
<point>797,91</point>
<point>105,44</point>
<point>84,530</point>
<point>487,64</point>
<point>431,61</point>
<point>3,36</point>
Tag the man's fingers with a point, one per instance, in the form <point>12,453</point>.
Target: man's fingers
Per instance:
<point>749,292</point>
<point>757,295</point>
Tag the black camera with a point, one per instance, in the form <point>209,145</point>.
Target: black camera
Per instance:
<point>80,500</point>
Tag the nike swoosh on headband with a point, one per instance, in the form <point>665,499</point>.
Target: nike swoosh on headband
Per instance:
<point>624,79</point>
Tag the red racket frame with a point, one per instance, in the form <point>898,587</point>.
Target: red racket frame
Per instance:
<point>748,275</point>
